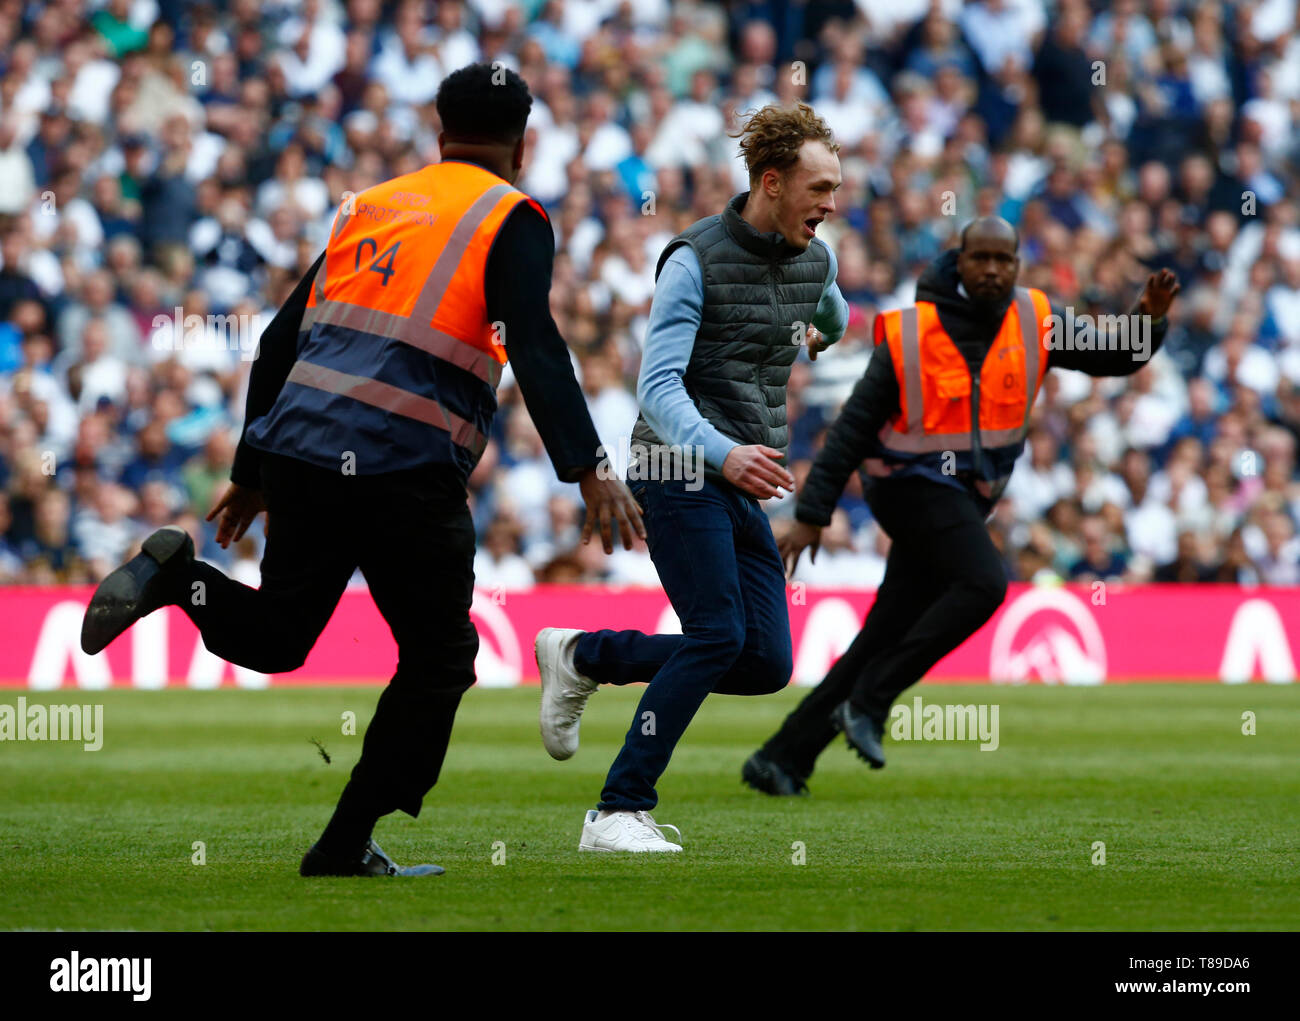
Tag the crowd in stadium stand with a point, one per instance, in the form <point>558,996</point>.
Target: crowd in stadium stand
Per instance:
<point>158,156</point>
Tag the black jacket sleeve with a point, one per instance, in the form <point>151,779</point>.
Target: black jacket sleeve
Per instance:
<point>517,289</point>
<point>1099,362</point>
<point>854,436</point>
<point>277,350</point>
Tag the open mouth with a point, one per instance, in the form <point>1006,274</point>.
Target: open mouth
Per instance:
<point>810,225</point>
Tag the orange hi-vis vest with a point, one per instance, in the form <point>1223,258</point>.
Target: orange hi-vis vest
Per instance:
<point>951,427</point>
<point>400,363</point>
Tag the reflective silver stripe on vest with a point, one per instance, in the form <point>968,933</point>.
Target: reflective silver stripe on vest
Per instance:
<point>1029,337</point>
<point>311,314</point>
<point>389,398</point>
<point>399,328</point>
<point>449,258</point>
<point>342,217</point>
<point>911,335</point>
<point>414,329</point>
<point>318,285</point>
<point>922,443</point>
<point>916,440</point>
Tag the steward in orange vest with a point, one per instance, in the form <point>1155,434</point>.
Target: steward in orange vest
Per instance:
<point>369,403</point>
<point>948,392</point>
<point>954,424</point>
<point>936,425</point>
<point>400,361</point>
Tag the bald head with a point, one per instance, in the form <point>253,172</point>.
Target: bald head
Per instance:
<point>990,228</point>
<point>987,262</point>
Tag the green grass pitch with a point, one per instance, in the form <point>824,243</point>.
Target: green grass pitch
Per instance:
<point>1198,820</point>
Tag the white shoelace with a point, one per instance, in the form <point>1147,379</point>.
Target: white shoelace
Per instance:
<point>647,820</point>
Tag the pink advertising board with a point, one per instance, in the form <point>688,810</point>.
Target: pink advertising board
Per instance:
<point>1054,635</point>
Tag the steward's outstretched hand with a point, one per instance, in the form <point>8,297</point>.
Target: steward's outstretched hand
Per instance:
<point>800,537</point>
<point>609,500</point>
<point>1159,293</point>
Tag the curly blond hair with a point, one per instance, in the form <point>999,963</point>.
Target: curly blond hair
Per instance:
<point>772,137</point>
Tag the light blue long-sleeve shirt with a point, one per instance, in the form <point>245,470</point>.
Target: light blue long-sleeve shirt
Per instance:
<point>674,322</point>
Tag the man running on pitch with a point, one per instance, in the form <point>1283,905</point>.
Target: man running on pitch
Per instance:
<point>734,299</point>
<point>936,424</point>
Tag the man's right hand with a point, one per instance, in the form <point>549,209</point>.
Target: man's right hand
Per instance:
<point>609,500</point>
<point>800,536</point>
<point>757,470</point>
<point>237,508</point>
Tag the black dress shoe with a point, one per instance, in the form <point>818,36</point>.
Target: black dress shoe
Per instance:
<point>373,862</point>
<point>762,774</point>
<point>863,733</point>
<point>137,588</point>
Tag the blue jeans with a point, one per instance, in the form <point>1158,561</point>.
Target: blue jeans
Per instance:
<point>719,566</point>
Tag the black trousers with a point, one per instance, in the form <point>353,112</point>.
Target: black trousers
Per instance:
<point>943,580</point>
<point>412,536</point>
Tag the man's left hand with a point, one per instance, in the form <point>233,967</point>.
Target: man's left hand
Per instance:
<point>816,341</point>
<point>1159,293</point>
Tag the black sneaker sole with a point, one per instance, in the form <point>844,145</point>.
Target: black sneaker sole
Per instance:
<point>316,865</point>
<point>118,602</point>
<point>165,544</point>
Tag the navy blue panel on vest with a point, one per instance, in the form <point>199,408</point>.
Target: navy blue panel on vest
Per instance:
<point>998,463</point>
<point>323,428</point>
<point>391,361</point>
<point>319,427</point>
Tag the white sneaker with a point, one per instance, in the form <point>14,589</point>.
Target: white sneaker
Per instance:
<point>564,690</point>
<point>626,831</point>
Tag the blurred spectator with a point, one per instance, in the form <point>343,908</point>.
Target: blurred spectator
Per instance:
<point>206,474</point>
<point>498,564</point>
<point>50,554</point>
<point>155,458</point>
<point>1101,559</point>
<point>1186,566</point>
<point>103,529</point>
<point>96,302</point>
<point>188,161</point>
<point>15,169</point>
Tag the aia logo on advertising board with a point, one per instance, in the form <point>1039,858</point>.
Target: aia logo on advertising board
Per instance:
<point>500,661</point>
<point>1050,634</point>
